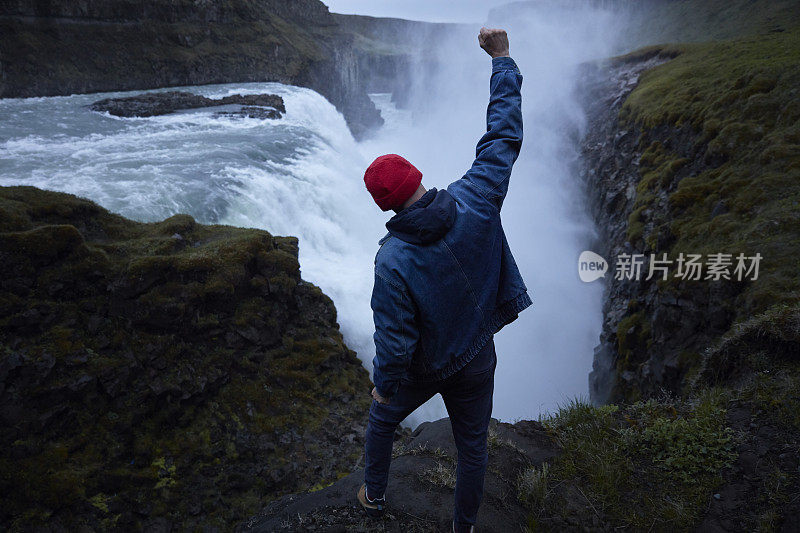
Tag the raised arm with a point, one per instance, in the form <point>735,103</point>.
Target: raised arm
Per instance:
<point>499,147</point>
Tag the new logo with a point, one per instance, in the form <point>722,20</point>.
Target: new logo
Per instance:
<point>591,266</point>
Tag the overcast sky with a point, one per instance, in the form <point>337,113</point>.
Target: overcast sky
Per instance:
<point>430,10</point>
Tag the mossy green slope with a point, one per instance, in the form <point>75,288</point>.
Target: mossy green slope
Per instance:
<point>720,169</point>
<point>161,374</point>
<point>644,465</point>
<point>720,455</point>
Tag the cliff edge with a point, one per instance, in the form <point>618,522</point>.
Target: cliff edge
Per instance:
<point>161,376</point>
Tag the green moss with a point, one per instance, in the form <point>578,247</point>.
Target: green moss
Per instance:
<point>720,170</point>
<point>684,448</point>
<point>46,477</point>
<point>776,392</point>
<point>645,465</point>
<point>633,335</point>
<point>706,82</point>
<point>767,340</point>
<point>44,243</point>
<point>635,224</point>
<point>100,501</point>
<point>167,358</point>
<point>659,168</point>
<point>165,472</point>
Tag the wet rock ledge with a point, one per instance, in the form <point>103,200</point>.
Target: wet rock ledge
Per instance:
<point>163,103</point>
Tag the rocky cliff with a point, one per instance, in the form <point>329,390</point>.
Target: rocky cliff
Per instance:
<point>719,459</point>
<point>701,158</point>
<point>58,47</point>
<point>395,52</point>
<point>161,376</point>
<point>421,486</point>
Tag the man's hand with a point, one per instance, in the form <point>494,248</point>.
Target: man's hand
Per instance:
<point>378,397</point>
<point>494,41</point>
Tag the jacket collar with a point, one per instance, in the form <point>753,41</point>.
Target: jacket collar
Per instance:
<point>425,221</point>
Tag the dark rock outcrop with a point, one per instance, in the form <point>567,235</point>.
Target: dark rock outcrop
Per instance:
<point>395,52</point>
<point>646,330</point>
<point>162,103</point>
<point>764,449</point>
<point>610,172</point>
<point>250,111</point>
<point>162,375</point>
<point>420,491</point>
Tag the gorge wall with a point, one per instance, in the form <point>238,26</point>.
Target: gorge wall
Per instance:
<point>396,53</point>
<point>59,48</point>
<point>697,155</point>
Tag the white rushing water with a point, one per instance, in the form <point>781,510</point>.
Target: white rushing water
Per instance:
<point>302,175</point>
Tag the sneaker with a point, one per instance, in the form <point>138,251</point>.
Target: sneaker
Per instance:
<point>460,529</point>
<point>373,507</point>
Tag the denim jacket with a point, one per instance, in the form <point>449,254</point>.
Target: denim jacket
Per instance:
<point>445,279</point>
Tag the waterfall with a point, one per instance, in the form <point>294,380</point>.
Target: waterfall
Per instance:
<point>302,175</point>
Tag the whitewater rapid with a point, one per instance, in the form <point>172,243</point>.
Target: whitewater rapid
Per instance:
<point>299,175</point>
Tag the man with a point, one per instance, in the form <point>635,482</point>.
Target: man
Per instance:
<point>445,283</point>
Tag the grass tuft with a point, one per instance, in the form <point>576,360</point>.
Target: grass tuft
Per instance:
<point>642,465</point>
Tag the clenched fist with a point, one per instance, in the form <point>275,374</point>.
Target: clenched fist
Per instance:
<point>494,41</point>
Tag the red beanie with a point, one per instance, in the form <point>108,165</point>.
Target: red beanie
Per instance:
<point>391,180</point>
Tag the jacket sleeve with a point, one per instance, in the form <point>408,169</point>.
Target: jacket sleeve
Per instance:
<point>499,147</point>
<point>396,333</point>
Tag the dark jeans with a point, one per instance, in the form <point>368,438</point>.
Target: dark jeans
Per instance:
<point>467,395</point>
